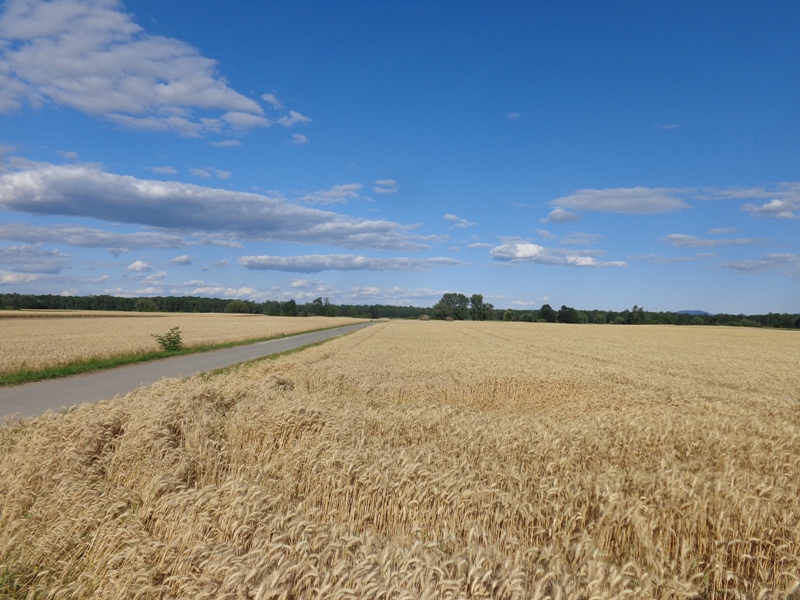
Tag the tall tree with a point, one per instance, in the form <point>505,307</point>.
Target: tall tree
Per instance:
<point>547,313</point>
<point>452,306</point>
<point>478,309</point>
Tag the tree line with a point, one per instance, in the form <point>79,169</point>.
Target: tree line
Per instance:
<point>452,306</point>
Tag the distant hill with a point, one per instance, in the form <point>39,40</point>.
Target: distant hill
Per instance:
<point>695,313</point>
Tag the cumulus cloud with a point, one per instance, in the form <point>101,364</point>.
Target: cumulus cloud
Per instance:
<point>778,209</point>
<point>293,118</point>
<point>680,240</point>
<point>89,191</point>
<point>139,266</point>
<point>184,259</point>
<point>458,221</point>
<point>385,186</point>
<point>314,263</point>
<point>526,252</point>
<point>89,55</point>
<point>637,200</point>
<point>561,215</point>
<point>272,100</point>
<point>167,170</point>
<point>299,138</point>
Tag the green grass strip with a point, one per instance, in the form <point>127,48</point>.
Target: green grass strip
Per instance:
<point>98,364</point>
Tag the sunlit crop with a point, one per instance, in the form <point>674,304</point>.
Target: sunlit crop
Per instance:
<point>426,460</point>
<point>52,339</point>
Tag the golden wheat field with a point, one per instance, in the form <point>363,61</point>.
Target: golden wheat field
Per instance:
<point>426,460</point>
<point>37,340</point>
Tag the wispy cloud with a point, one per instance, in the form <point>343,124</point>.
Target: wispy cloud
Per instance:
<point>385,186</point>
<point>88,237</point>
<point>681,240</point>
<point>458,221</point>
<point>89,191</point>
<point>166,170</point>
<point>315,263</point>
<point>637,201</point>
<point>299,138</point>
<point>338,194</point>
<point>789,263</point>
<point>31,258</point>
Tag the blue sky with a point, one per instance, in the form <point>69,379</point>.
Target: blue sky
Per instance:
<point>593,154</point>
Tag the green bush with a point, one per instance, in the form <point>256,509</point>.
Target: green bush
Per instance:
<point>170,341</point>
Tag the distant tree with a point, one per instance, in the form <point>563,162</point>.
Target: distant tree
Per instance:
<point>508,315</point>
<point>600,318</point>
<point>289,308</point>
<point>567,314</point>
<point>526,317</point>
<point>145,305</point>
<point>478,309</point>
<point>547,313</point>
<point>237,306</point>
<point>451,305</point>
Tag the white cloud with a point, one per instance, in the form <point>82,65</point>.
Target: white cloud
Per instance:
<point>139,266</point>
<point>299,138</point>
<point>788,263</point>
<point>184,259</point>
<point>293,118</point>
<point>272,100</point>
<point>88,191</point>
<point>526,252</point>
<point>30,258</point>
<point>165,169</point>
<point>458,221</point>
<point>722,230</point>
<point>778,209</point>
<point>202,173</point>
<point>226,143</point>
<point>338,194</point>
<point>86,237</point>
<point>581,238</point>
<point>7,278</point>
<point>315,263</point>
<point>561,215</point>
<point>680,240</point>
<point>638,200</point>
<point>90,56</point>
<point>385,186</point>
<point>480,245</point>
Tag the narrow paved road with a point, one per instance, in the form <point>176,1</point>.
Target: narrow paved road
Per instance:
<point>33,399</point>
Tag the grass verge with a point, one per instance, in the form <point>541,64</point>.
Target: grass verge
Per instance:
<point>99,364</point>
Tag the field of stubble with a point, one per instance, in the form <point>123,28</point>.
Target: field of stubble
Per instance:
<point>426,460</point>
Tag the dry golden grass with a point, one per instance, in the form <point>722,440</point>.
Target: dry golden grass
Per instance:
<point>426,460</point>
<point>50,339</point>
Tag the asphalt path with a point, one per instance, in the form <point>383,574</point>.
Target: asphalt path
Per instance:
<point>31,399</point>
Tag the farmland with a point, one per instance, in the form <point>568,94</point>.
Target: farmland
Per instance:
<point>41,339</point>
<point>426,460</point>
